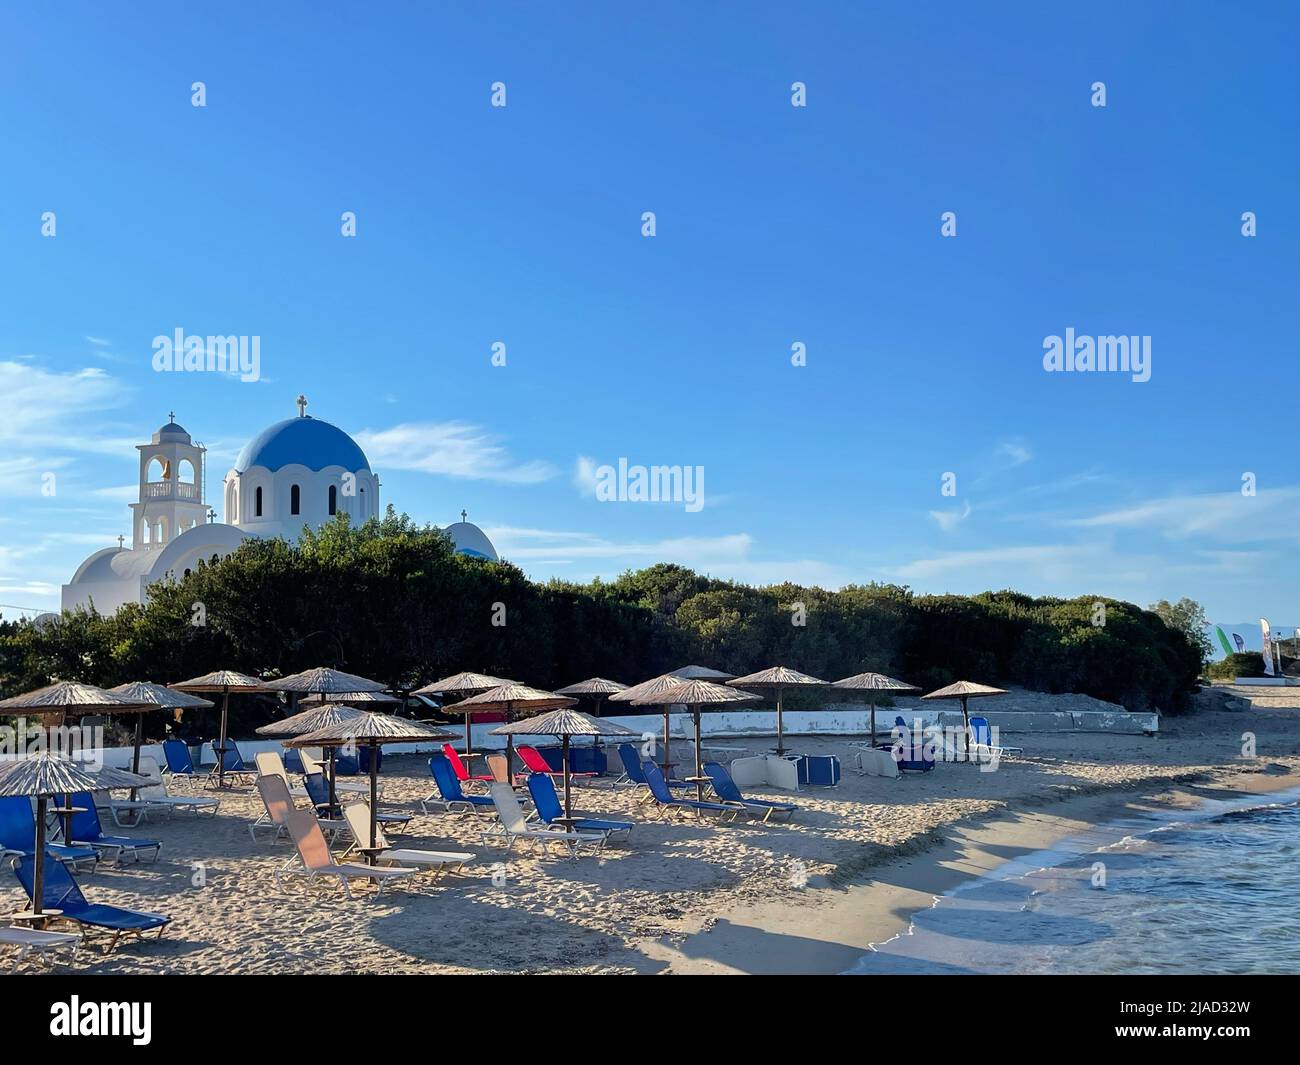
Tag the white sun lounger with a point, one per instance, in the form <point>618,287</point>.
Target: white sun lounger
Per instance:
<point>512,826</point>
<point>314,854</point>
<point>277,805</point>
<point>36,941</point>
<point>357,815</point>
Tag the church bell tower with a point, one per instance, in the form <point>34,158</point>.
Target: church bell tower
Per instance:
<point>171,488</point>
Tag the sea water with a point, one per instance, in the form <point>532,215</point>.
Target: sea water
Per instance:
<point>1208,891</point>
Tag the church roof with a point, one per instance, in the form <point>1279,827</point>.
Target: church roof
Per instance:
<point>304,441</point>
<point>471,540</point>
<point>171,431</point>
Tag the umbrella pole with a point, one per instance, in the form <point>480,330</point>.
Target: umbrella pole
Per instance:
<point>568,796</point>
<point>699,768</point>
<point>965,717</point>
<point>38,874</point>
<point>67,817</point>
<point>374,801</point>
<point>334,799</point>
<point>510,760</point>
<point>135,760</point>
<point>873,721</point>
<point>221,745</point>
<point>667,766</point>
<point>780,725</point>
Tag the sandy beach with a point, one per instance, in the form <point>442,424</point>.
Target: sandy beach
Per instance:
<point>685,896</point>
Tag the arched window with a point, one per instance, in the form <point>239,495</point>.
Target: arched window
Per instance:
<point>294,495</point>
<point>257,501</point>
<point>187,472</point>
<point>334,499</point>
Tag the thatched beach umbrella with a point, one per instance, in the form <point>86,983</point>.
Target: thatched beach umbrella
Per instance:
<point>695,694</point>
<point>778,678</point>
<point>353,699</point>
<point>313,719</point>
<point>332,684</point>
<point>70,696</point>
<point>463,685</point>
<point>508,698</point>
<point>224,681</point>
<point>47,775</point>
<point>597,688</point>
<point>153,697</point>
<point>641,695</point>
<point>565,724</point>
<point>963,690</point>
<point>372,730</point>
<point>875,683</point>
<point>701,673</point>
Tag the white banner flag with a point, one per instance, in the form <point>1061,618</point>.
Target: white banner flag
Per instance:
<point>1268,647</point>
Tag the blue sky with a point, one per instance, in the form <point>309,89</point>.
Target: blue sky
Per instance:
<point>775,225</point>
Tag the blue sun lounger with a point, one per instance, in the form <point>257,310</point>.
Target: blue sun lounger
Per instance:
<point>982,737</point>
<point>547,803</point>
<point>18,836</point>
<point>234,764</point>
<point>666,803</point>
<point>179,763</point>
<point>60,892</point>
<point>725,789</point>
<point>632,768</point>
<point>88,832</point>
<point>449,795</point>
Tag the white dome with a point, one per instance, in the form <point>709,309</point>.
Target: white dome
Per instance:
<point>471,540</point>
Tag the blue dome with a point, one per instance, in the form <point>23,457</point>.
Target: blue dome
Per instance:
<point>304,441</point>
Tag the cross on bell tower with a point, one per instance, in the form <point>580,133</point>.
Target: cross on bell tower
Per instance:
<point>302,406</point>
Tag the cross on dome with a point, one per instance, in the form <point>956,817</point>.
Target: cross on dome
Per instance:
<point>302,406</point>
<point>464,514</point>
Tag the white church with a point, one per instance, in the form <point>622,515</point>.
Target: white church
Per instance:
<point>301,471</point>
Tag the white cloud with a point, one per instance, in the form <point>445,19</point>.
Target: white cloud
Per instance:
<point>100,342</point>
<point>950,519</point>
<point>1272,514</point>
<point>43,411</point>
<point>453,449</point>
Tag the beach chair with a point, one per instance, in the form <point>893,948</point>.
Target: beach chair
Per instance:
<point>88,832</point>
<point>357,816</point>
<point>60,892</point>
<point>233,764</point>
<point>180,766</point>
<point>666,803</point>
<point>547,804</point>
<point>18,836</point>
<point>914,757</point>
<point>535,763</point>
<point>632,773</point>
<point>38,942</point>
<point>313,765</point>
<point>318,791</point>
<point>277,805</point>
<point>270,764</point>
<point>727,792</point>
<point>460,769</point>
<point>981,738</point>
<point>512,826</point>
<point>155,796</point>
<point>316,860</point>
<point>449,796</point>
<point>499,766</point>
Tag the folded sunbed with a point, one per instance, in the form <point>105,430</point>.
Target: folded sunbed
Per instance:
<point>357,815</point>
<point>547,804</point>
<point>314,854</point>
<point>449,795</point>
<point>60,892</point>
<point>727,792</point>
<point>88,832</point>
<point>512,826</point>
